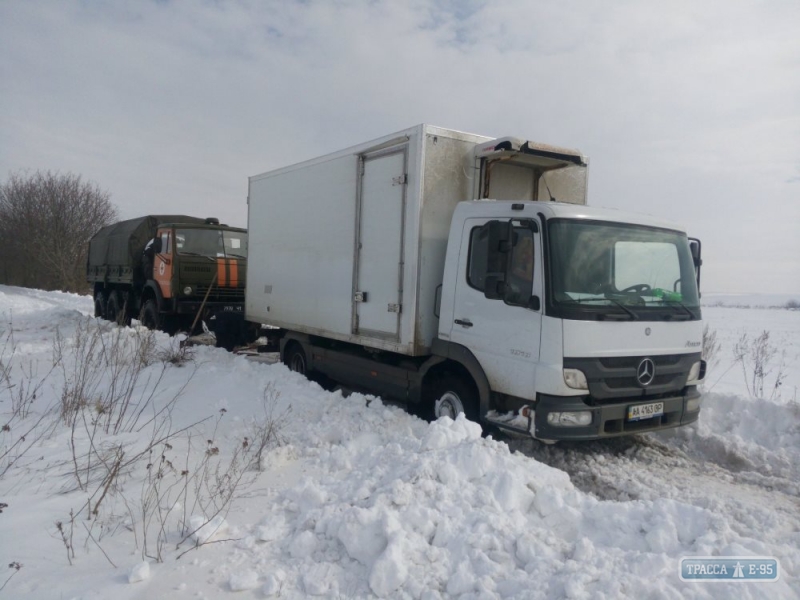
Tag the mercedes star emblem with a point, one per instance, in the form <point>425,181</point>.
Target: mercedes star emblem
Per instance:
<point>646,372</point>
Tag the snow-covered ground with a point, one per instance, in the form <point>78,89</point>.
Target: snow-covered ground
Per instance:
<point>352,498</point>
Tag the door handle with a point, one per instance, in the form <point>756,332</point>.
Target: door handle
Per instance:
<point>463,322</point>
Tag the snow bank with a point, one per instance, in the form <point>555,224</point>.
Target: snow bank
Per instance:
<point>364,500</point>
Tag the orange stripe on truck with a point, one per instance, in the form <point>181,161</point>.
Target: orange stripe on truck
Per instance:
<point>234,272</point>
<point>222,278</point>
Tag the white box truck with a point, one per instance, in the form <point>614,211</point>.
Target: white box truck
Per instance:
<point>459,273</point>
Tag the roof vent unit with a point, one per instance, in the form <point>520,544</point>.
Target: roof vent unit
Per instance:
<point>212,221</point>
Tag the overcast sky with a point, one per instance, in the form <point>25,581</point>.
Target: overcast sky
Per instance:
<point>687,110</point>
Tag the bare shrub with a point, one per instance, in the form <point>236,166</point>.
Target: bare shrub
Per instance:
<point>178,353</point>
<point>16,566</point>
<point>18,432</point>
<point>65,533</point>
<point>792,304</point>
<point>108,375</point>
<point>265,431</point>
<point>179,501</point>
<point>111,381</point>
<point>754,356</point>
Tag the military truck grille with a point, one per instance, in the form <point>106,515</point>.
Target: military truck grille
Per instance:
<point>612,378</point>
<point>221,294</point>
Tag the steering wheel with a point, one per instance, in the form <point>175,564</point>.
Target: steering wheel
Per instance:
<point>639,288</point>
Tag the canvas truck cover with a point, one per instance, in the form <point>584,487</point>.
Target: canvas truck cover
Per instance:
<point>115,252</point>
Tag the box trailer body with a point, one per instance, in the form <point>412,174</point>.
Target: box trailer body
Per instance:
<point>391,268</point>
<point>351,245</point>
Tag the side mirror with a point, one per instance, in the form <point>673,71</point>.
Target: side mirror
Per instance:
<point>695,248</point>
<point>498,235</point>
<point>157,245</point>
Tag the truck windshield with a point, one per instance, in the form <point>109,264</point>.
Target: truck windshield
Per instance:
<point>602,270</point>
<point>211,242</point>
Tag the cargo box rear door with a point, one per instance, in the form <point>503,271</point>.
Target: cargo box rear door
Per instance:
<point>378,277</point>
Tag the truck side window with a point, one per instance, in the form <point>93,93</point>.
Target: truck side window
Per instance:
<point>165,243</point>
<point>476,264</point>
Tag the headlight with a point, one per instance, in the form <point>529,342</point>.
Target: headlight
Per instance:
<point>580,418</point>
<point>575,379</point>
<point>187,290</point>
<point>697,373</point>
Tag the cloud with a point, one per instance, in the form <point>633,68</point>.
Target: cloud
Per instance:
<point>687,110</point>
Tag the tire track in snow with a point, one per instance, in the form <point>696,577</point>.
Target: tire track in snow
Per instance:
<point>644,468</point>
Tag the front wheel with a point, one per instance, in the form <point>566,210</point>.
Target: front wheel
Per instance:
<point>451,396</point>
<point>149,315</point>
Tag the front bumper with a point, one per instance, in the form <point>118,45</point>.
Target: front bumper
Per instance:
<point>610,418</point>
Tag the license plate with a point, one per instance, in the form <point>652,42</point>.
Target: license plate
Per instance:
<point>645,411</point>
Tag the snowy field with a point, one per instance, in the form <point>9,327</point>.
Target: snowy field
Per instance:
<point>128,470</point>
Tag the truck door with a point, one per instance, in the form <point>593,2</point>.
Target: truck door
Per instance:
<point>378,289</point>
<point>503,334</point>
<point>163,262</point>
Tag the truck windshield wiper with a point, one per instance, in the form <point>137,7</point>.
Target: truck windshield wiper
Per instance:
<point>616,302</point>
<point>675,304</point>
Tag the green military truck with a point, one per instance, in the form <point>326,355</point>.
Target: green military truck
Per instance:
<point>170,271</point>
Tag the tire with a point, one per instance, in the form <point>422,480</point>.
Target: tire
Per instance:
<point>453,395</point>
<point>114,309</point>
<point>149,315</point>
<point>126,314</point>
<point>100,305</point>
<point>123,309</point>
<point>295,359</point>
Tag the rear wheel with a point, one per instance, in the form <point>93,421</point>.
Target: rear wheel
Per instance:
<point>451,396</point>
<point>114,309</point>
<point>149,315</point>
<point>100,305</point>
<point>123,309</point>
<point>295,359</point>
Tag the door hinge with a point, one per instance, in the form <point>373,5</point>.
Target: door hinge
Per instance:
<point>395,308</point>
<point>400,180</point>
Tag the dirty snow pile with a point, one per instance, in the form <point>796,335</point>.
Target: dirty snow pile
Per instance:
<point>357,499</point>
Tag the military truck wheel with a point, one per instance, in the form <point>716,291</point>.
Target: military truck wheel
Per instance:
<point>149,315</point>
<point>451,396</point>
<point>113,308</point>
<point>124,314</point>
<point>100,305</point>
